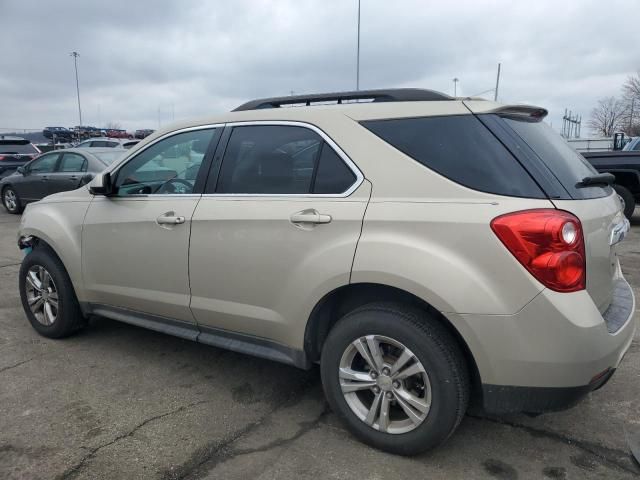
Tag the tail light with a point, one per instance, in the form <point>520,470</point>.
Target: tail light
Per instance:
<point>548,243</point>
<point>2,157</point>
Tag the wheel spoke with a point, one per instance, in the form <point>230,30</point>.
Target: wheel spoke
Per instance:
<point>53,296</point>
<point>356,386</point>
<point>383,421</point>
<point>374,348</point>
<point>46,279</point>
<point>349,374</point>
<point>37,306</point>
<point>48,313</point>
<point>31,301</point>
<point>372,414</point>
<point>415,402</point>
<point>53,302</point>
<point>402,360</point>
<point>34,281</point>
<point>413,416</point>
<point>363,350</point>
<point>409,371</point>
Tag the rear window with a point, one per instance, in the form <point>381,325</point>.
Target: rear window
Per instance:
<point>108,157</point>
<point>567,165</point>
<point>460,148</point>
<point>17,148</point>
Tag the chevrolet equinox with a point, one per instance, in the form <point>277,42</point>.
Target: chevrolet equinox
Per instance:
<point>427,251</point>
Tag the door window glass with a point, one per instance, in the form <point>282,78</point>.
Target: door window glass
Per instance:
<point>44,164</point>
<point>169,166</point>
<point>72,162</point>
<point>269,159</point>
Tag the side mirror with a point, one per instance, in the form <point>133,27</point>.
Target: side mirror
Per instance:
<point>21,170</point>
<point>101,184</point>
<point>86,178</point>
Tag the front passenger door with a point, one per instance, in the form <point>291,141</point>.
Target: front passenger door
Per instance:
<point>35,184</point>
<point>68,175</point>
<point>135,243</point>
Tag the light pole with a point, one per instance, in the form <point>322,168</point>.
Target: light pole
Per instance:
<point>455,86</point>
<point>358,52</point>
<point>75,56</point>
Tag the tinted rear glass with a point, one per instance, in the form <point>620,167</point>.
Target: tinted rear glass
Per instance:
<point>17,148</point>
<point>461,149</point>
<point>567,165</point>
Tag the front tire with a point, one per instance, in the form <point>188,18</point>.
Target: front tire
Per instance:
<point>396,376</point>
<point>11,201</point>
<point>629,202</point>
<point>47,295</point>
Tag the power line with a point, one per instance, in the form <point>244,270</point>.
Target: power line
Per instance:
<point>358,52</point>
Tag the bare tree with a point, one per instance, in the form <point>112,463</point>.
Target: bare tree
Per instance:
<point>631,97</point>
<point>608,117</point>
<point>113,126</point>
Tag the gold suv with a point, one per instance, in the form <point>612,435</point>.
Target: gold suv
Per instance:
<point>424,250</point>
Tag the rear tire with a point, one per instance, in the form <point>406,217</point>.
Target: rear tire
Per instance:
<point>47,295</point>
<point>11,200</point>
<point>440,379</point>
<point>627,198</point>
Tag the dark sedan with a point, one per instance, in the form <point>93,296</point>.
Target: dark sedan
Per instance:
<point>54,172</point>
<point>15,152</point>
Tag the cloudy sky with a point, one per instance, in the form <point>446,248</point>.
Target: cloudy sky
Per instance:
<point>145,63</point>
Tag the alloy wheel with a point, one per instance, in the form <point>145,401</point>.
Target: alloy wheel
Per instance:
<point>10,199</point>
<point>42,295</point>
<point>385,384</point>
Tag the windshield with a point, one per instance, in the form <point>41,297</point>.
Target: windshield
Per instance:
<point>108,157</point>
<point>17,148</point>
<point>567,165</point>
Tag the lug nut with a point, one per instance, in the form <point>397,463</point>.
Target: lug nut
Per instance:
<point>385,371</point>
<point>373,375</point>
<point>376,390</point>
<point>396,384</point>
<point>389,395</point>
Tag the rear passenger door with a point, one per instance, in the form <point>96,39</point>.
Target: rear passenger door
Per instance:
<point>68,175</point>
<point>275,230</point>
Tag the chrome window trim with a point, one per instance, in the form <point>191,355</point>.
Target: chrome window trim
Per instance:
<point>127,158</point>
<point>345,158</point>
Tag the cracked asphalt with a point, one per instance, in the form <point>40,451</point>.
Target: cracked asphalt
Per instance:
<point>120,402</point>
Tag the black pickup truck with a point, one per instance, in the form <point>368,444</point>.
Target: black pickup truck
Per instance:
<point>625,166</point>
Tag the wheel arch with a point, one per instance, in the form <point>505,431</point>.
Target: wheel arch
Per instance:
<point>337,303</point>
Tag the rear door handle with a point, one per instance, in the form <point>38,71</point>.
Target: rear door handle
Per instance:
<point>310,216</point>
<point>169,218</point>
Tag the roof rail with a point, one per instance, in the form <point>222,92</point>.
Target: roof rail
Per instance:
<point>384,95</point>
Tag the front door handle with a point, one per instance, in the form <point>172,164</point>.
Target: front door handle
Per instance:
<point>310,216</point>
<point>169,218</point>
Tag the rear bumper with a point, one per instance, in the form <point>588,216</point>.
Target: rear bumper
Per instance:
<point>554,351</point>
<point>509,399</point>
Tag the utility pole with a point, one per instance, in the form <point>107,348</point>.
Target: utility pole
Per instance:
<point>495,94</point>
<point>455,86</point>
<point>358,52</point>
<point>75,56</point>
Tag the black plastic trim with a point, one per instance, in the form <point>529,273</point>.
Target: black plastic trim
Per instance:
<point>621,307</point>
<point>502,399</point>
<point>381,95</point>
<point>237,342</point>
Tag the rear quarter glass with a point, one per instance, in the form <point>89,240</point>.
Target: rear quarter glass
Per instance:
<point>460,148</point>
<point>567,165</point>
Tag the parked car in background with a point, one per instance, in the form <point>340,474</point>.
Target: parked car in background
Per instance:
<point>15,152</point>
<point>426,251</point>
<point>53,172</point>
<point>118,133</point>
<point>624,165</point>
<point>108,143</point>
<point>143,133</point>
<point>62,134</point>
